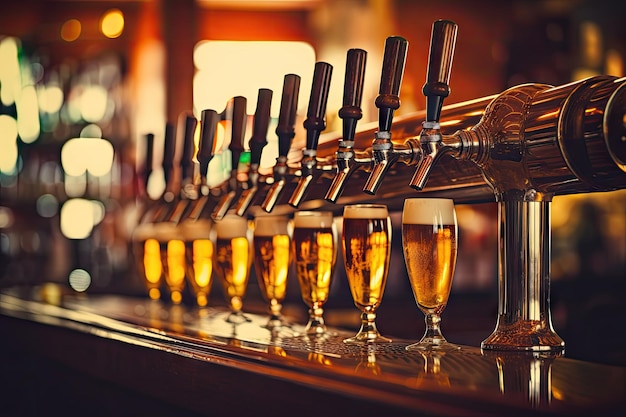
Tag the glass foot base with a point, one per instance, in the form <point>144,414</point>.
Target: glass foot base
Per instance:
<point>363,338</point>
<point>435,345</point>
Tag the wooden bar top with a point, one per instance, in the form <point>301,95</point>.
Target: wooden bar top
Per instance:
<point>197,361</point>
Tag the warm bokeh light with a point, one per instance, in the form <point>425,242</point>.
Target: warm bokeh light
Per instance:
<point>28,115</point>
<point>70,31</point>
<point>226,69</point>
<point>77,218</point>
<point>10,79</point>
<point>6,217</point>
<point>8,145</point>
<point>93,103</point>
<point>93,155</point>
<point>112,23</point>
<point>50,98</point>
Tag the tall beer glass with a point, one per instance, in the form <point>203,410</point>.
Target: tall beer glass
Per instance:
<point>173,259</point>
<point>147,254</point>
<point>366,244</point>
<point>199,250</point>
<point>272,257</point>
<point>429,240</point>
<point>315,254</point>
<point>233,259</point>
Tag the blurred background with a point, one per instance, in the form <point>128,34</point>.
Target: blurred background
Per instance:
<point>83,82</point>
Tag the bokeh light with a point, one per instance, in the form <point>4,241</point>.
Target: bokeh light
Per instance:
<point>79,280</point>
<point>112,23</point>
<point>71,29</point>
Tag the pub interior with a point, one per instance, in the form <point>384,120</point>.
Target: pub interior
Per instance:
<point>122,120</point>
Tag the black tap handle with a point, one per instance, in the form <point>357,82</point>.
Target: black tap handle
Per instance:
<point>351,111</point>
<point>442,43</point>
<point>238,126</point>
<point>146,169</point>
<point>209,120</point>
<point>260,124</point>
<point>388,98</point>
<point>189,146</point>
<point>168,153</point>
<point>315,121</point>
<point>287,116</point>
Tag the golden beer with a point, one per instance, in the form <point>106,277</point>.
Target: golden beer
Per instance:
<point>367,250</point>
<point>430,254</point>
<point>233,258</point>
<point>199,252</point>
<point>366,247</point>
<point>315,253</point>
<point>147,241</point>
<point>272,257</point>
<point>429,241</point>
<point>173,260</point>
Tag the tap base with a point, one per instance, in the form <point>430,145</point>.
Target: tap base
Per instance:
<point>524,335</point>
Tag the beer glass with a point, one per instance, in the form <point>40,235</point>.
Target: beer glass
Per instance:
<point>366,247</point>
<point>233,259</point>
<point>147,254</point>
<point>173,259</point>
<point>272,257</point>
<point>199,250</point>
<point>314,246</point>
<point>429,241</point>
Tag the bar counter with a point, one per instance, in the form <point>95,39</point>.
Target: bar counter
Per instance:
<point>184,361</point>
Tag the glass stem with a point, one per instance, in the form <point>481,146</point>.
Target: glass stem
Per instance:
<point>368,323</point>
<point>433,331</point>
<point>275,308</point>
<point>316,320</point>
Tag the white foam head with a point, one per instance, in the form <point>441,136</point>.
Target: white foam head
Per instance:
<point>365,211</point>
<point>271,225</point>
<point>313,219</point>
<point>231,226</point>
<point>425,210</point>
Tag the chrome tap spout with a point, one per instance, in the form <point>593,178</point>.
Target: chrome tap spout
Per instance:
<point>314,124</point>
<point>388,101</point>
<point>285,132</point>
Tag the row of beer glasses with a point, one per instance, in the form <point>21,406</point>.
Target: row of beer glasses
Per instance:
<point>429,240</point>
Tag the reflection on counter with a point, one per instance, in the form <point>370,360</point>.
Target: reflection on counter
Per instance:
<point>510,382</point>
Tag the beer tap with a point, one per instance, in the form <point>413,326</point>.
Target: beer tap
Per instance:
<point>184,155</point>
<point>258,140</point>
<point>314,124</point>
<point>285,132</point>
<point>383,151</point>
<point>206,150</point>
<point>350,113</point>
<point>172,157</point>
<point>238,128</point>
<point>436,89</point>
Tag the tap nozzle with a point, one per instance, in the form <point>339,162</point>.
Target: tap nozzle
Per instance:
<point>236,109</point>
<point>387,101</point>
<point>436,89</point>
<point>314,124</point>
<point>285,132</point>
<point>350,113</point>
<point>260,124</point>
